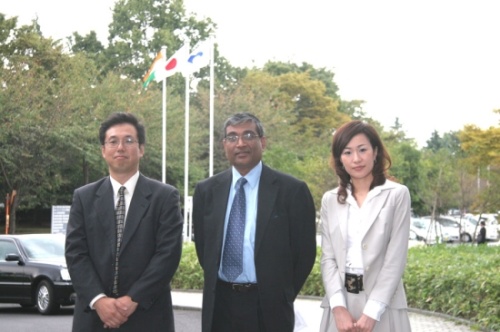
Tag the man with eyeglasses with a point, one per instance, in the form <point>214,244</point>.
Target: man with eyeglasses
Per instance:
<point>255,237</point>
<point>121,260</point>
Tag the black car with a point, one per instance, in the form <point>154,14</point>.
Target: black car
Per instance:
<point>33,272</point>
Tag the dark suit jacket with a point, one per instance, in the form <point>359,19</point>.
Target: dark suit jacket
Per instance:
<point>285,242</point>
<point>481,238</point>
<point>149,255</point>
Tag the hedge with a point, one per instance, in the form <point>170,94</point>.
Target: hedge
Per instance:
<point>462,281</point>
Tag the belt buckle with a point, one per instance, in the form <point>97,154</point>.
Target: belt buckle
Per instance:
<point>242,288</point>
<point>353,283</point>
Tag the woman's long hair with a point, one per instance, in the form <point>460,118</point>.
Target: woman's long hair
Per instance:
<point>341,138</point>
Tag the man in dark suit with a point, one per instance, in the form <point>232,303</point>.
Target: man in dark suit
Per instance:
<point>278,248</point>
<point>136,296</point>
<point>481,237</point>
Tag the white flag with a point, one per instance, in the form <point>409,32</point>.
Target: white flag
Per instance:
<point>199,57</point>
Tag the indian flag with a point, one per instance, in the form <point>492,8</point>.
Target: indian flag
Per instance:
<point>157,64</point>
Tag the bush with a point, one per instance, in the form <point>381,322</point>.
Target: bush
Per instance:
<point>461,281</point>
<point>314,283</point>
<point>189,275</point>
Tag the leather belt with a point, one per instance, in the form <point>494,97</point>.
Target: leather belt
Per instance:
<point>241,288</point>
<point>353,283</point>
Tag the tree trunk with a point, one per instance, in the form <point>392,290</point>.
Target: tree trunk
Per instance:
<point>13,219</point>
<point>85,170</point>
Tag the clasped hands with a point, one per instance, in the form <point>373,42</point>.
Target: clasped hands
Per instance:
<point>346,323</point>
<point>114,312</point>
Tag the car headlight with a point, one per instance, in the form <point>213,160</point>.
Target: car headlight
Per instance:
<point>65,275</point>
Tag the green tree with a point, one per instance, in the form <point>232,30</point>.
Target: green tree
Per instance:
<point>396,133</point>
<point>407,169</point>
<point>434,143</point>
<point>40,90</point>
<point>52,104</point>
<point>439,180</point>
<point>458,168</point>
<point>89,45</point>
<point>353,108</point>
<point>481,148</point>
<point>277,68</point>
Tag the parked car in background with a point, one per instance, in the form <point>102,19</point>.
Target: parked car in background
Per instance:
<point>421,230</point>
<point>33,272</point>
<point>470,228</point>
<point>450,229</point>
<point>491,219</point>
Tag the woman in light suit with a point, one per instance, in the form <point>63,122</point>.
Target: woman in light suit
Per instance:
<point>365,229</point>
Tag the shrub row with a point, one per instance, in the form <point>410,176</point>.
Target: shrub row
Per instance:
<point>461,281</point>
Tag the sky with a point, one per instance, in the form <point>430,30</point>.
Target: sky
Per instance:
<point>433,64</point>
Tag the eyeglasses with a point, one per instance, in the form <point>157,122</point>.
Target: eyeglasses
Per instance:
<point>246,137</point>
<point>114,142</point>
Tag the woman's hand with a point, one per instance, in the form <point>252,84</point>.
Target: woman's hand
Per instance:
<point>343,320</point>
<point>365,324</point>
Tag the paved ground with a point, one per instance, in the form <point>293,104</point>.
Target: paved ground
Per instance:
<point>188,317</point>
<point>309,314</point>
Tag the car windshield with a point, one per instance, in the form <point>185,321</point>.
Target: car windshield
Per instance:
<point>44,247</point>
<point>448,223</point>
<point>472,221</point>
<point>421,223</point>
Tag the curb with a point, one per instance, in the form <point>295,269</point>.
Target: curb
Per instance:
<point>457,320</point>
<point>440,315</point>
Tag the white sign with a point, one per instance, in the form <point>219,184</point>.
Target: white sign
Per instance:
<point>60,216</point>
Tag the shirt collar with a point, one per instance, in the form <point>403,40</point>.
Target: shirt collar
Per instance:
<point>252,177</point>
<point>372,193</point>
<point>130,184</point>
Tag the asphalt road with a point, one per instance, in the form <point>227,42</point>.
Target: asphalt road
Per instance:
<point>14,318</point>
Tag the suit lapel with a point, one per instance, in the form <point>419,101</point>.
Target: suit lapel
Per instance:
<point>220,194</point>
<point>342,215</point>
<point>268,191</point>
<point>376,205</point>
<point>105,212</point>
<point>138,206</point>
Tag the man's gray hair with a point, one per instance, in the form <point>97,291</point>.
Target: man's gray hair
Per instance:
<point>240,118</point>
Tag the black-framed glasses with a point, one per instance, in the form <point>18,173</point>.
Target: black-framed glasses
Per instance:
<point>246,137</point>
<point>113,143</point>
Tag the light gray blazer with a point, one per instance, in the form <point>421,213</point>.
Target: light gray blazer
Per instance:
<point>384,245</point>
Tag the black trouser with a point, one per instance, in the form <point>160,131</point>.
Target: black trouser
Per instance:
<point>237,310</point>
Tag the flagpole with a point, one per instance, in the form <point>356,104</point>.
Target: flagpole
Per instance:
<point>212,79</point>
<point>187,207</point>
<point>164,124</point>
<point>187,210</point>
